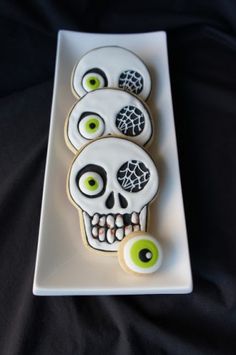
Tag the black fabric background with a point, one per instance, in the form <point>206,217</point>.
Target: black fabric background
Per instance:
<point>202,59</point>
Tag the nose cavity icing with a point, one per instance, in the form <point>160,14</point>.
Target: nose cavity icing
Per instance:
<point>110,201</point>
<point>123,201</point>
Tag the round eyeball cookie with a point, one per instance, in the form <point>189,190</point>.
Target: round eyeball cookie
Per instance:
<point>113,67</point>
<point>108,112</point>
<point>140,253</point>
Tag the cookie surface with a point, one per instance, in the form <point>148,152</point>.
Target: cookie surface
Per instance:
<point>140,253</point>
<point>111,182</point>
<point>108,111</point>
<point>113,67</point>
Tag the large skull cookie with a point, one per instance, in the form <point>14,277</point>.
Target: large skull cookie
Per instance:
<point>112,181</point>
<point>108,111</point>
<point>113,67</point>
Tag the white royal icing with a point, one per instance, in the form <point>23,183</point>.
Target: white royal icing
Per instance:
<point>109,154</point>
<point>112,61</point>
<point>108,106</point>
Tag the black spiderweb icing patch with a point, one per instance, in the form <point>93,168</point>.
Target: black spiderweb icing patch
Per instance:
<point>130,121</point>
<point>132,81</point>
<point>133,176</point>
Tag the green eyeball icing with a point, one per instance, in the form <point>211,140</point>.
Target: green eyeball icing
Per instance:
<point>93,81</point>
<point>140,253</point>
<point>91,126</point>
<point>144,253</point>
<point>91,183</point>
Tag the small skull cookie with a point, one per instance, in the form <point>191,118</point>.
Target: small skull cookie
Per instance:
<point>113,67</point>
<point>108,112</point>
<point>111,182</point>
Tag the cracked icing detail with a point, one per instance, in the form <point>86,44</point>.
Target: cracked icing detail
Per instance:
<point>133,176</point>
<point>131,81</point>
<point>114,67</point>
<point>130,121</point>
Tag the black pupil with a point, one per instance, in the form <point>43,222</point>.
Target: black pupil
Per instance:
<point>91,182</point>
<point>92,125</point>
<point>143,255</point>
<point>92,81</point>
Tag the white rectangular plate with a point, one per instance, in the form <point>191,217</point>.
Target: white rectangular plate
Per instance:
<point>63,265</point>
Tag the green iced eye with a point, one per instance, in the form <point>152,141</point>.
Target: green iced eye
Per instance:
<point>93,80</point>
<point>91,183</point>
<point>140,252</point>
<point>144,253</point>
<point>91,126</point>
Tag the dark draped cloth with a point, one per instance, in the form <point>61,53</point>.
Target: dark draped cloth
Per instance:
<point>202,60</point>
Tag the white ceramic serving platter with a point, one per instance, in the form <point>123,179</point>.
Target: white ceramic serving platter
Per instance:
<point>63,265</point>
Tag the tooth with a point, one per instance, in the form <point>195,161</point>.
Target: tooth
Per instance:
<point>110,235</point>
<point>142,218</point>
<point>110,221</point>
<point>95,219</point>
<point>95,232</point>
<point>134,218</point>
<point>102,221</point>
<point>128,229</point>
<point>119,220</point>
<point>101,234</point>
<point>120,233</point>
<point>136,227</point>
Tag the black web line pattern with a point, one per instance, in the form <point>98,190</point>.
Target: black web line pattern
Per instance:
<point>130,121</point>
<point>133,176</point>
<point>132,81</point>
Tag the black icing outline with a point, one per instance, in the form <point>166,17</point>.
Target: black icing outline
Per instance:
<point>96,169</point>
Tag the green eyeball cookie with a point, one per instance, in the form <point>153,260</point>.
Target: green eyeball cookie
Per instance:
<point>140,253</point>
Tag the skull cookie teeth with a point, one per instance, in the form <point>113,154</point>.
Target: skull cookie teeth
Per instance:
<point>112,181</point>
<point>115,231</point>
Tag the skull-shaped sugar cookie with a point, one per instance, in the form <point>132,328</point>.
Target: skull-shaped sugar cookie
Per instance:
<point>112,181</point>
<point>113,67</point>
<point>108,111</point>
